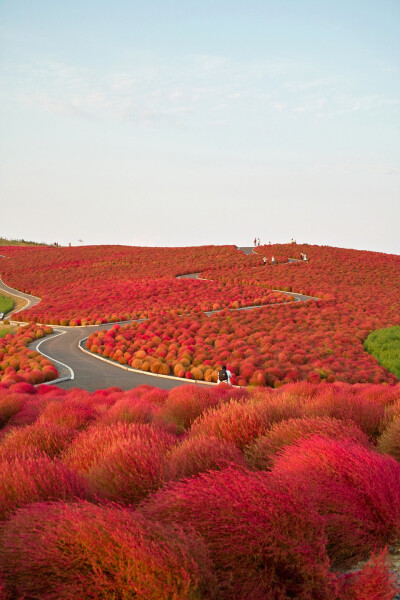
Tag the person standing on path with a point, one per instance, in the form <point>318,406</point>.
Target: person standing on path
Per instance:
<point>224,376</point>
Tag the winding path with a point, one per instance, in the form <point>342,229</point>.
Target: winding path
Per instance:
<point>91,372</point>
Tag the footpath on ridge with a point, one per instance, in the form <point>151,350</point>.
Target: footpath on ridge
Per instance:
<point>91,372</point>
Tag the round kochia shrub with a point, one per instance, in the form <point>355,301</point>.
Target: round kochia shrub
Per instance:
<point>197,455</point>
<point>264,543</point>
<point>355,490</point>
<point>185,403</point>
<point>70,412</point>
<point>131,469</point>
<point>389,442</point>
<point>260,454</point>
<point>36,479</point>
<point>131,409</point>
<point>340,403</point>
<point>89,447</point>
<point>375,581</point>
<point>241,422</point>
<point>36,439</point>
<point>121,462</point>
<point>78,551</point>
<point>10,405</point>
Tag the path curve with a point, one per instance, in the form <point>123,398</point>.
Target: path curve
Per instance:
<point>85,370</point>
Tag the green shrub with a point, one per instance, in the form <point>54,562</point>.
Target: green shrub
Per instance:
<point>384,345</point>
<point>6,304</point>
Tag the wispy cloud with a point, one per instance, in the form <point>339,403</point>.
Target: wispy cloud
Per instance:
<point>161,92</point>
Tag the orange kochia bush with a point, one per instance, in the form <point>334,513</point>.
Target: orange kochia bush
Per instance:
<point>20,363</point>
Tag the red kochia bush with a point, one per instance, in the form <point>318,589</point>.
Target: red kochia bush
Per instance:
<point>185,403</point>
<point>260,454</point>
<point>340,403</point>
<point>356,490</point>
<point>90,446</point>
<point>77,551</point>
<point>35,479</point>
<point>70,412</point>
<point>130,469</point>
<point>196,455</point>
<point>131,409</point>
<point>235,422</point>
<point>375,581</point>
<point>264,542</point>
<point>35,440</point>
<point>242,422</point>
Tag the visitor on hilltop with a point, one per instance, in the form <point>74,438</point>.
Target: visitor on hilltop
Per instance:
<point>264,260</point>
<point>224,376</point>
<point>255,241</point>
<point>259,243</point>
<point>273,260</point>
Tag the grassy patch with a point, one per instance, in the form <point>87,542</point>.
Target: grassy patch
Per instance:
<point>384,345</point>
<point>6,242</point>
<point>6,304</point>
<point>5,330</point>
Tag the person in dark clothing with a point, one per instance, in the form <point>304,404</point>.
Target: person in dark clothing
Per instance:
<point>224,376</point>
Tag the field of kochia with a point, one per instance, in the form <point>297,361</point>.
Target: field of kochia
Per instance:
<point>282,342</point>
<point>199,492</point>
<point>284,487</point>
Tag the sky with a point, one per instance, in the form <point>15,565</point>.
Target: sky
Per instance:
<point>176,123</point>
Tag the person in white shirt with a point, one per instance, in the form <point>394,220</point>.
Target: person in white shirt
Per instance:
<point>224,376</point>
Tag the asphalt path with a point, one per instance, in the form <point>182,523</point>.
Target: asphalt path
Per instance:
<point>88,371</point>
<point>30,300</point>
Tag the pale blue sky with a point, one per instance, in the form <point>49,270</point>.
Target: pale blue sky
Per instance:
<point>184,123</point>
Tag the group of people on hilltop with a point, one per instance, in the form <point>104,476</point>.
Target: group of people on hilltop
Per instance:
<point>257,242</point>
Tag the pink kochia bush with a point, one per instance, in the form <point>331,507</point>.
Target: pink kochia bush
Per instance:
<point>81,551</point>
<point>264,542</point>
<point>354,489</point>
